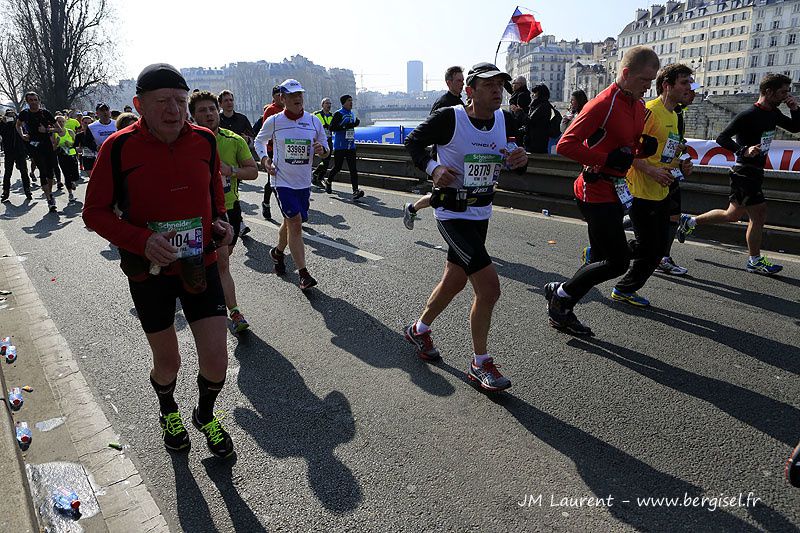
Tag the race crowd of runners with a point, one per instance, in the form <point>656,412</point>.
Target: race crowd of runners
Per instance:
<point>164,189</point>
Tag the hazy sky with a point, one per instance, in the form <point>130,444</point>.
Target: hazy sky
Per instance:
<point>373,38</point>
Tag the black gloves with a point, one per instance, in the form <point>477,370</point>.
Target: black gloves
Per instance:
<point>619,159</point>
<point>648,146</point>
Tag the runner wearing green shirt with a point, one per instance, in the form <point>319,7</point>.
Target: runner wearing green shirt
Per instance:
<point>236,163</point>
<point>67,156</point>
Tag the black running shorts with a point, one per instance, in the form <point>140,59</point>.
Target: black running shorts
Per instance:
<point>746,187</point>
<point>467,243</point>
<point>235,220</point>
<point>154,299</point>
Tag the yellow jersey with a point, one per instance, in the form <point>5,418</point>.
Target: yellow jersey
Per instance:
<point>663,125</point>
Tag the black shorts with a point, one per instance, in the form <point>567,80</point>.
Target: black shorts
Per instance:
<point>467,243</point>
<point>154,299</point>
<point>746,186</point>
<point>235,220</point>
<point>675,199</point>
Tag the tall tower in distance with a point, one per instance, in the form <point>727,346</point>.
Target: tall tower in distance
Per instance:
<point>414,77</point>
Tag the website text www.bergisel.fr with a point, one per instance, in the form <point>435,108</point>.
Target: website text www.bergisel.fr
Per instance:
<point>686,500</point>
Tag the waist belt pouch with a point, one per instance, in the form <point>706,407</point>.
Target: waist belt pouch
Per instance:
<point>448,198</point>
<point>134,266</point>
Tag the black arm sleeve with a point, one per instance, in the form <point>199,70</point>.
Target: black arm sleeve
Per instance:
<point>791,125</point>
<point>725,139</point>
<point>438,128</point>
<point>336,122</point>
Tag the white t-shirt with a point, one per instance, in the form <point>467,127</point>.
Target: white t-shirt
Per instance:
<point>293,148</point>
<point>101,131</point>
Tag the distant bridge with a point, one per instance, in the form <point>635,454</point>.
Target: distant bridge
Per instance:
<point>392,111</point>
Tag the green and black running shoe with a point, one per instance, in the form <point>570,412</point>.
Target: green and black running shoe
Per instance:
<point>218,440</point>
<point>175,436</point>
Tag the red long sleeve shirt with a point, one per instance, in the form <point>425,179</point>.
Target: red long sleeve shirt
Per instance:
<point>161,183</point>
<point>624,122</point>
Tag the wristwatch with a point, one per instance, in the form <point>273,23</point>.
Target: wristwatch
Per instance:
<point>234,171</point>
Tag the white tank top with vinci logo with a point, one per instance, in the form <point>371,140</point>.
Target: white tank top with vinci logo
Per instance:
<point>476,155</point>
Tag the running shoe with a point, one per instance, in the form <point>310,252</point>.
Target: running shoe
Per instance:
<point>422,342</point>
<point>218,440</point>
<point>239,323</point>
<point>763,266</point>
<point>52,204</point>
<point>60,185</point>
<point>683,228</point>
<point>278,260</point>
<point>358,194</point>
<point>792,471</point>
<point>586,255</point>
<point>28,196</point>
<point>668,266</point>
<point>71,197</point>
<point>408,217</point>
<point>306,281</point>
<point>487,376</point>
<point>631,298</point>
<point>328,185</point>
<point>560,312</point>
<point>175,436</point>
<point>265,211</point>
<point>627,223</point>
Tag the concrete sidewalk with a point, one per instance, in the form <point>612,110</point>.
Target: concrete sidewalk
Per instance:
<point>71,440</point>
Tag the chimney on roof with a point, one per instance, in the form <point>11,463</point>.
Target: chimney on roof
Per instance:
<point>640,13</point>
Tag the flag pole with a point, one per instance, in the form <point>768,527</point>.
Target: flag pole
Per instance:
<point>497,51</point>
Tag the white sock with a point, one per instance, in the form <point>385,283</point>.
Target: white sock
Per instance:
<point>421,327</point>
<point>480,359</point>
<point>561,292</point>
<point>754,258</point>
<point>692,222</point>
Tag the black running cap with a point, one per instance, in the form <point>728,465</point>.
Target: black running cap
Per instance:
<point>487,70</point>
<point>160,76</point>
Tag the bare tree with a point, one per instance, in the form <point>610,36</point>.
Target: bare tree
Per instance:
<point>65,44</point>
<point>15,69</point>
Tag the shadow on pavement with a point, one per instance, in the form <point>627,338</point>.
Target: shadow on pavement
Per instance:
<point>13,211</point>
<point>248,208</point>
<point>193,511</point>
<point>289,420</point>
<point>759,300</point>
<point>765,350</point>
<point>773,418</point>
<point>607,470</point>
<point>366,338</point>
<point>112,254</point>
<point>45,227</point>
<point>318,218</point>
<point>370,203</point>
<point>73,209</point>
<point>257,255</point>
<point>329,252</point>
<point>221,473</point>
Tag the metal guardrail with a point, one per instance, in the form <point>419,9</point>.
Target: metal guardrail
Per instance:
<point>551,176</point>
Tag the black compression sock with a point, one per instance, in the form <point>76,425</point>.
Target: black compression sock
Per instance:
<point>673,230</point>
<point>208,395</point>
<point>411,208</point>
<point>166,396</point>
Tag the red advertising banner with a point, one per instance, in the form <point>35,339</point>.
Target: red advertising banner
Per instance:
<point>783,155</point>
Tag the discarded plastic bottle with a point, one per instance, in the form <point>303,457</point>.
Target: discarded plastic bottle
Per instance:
<point>15,398</point>
<point>5,342</point>
<point>66,501</point>
<point>510,147</point>
<point>24,435</point>
<point>11,354</point>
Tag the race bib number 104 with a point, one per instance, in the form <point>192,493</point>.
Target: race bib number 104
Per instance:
<point>188,237</point>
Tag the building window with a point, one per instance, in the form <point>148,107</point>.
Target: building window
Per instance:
<point>724,17</point>
<point>796,8</point>
<point>758,26</point>
<point>776,24</point>
<point>742,30</point>
<point>778,11</point>
<point>756,43</point>
<point>789,57</point>
<point>751,80</point>
<point>760,13</point>
<point>770,60</point>
<point>773,41</point>
<point>744,15</point>
<point>792,37</point>
<point>702,36</point>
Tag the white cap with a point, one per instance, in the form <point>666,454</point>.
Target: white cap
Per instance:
<point>291,86</point>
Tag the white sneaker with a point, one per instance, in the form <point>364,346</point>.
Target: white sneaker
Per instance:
<point>668,266</point>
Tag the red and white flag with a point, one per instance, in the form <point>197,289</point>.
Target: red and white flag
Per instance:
<point>521,28</point>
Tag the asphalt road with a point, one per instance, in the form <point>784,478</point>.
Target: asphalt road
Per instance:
<point>339,427</point>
